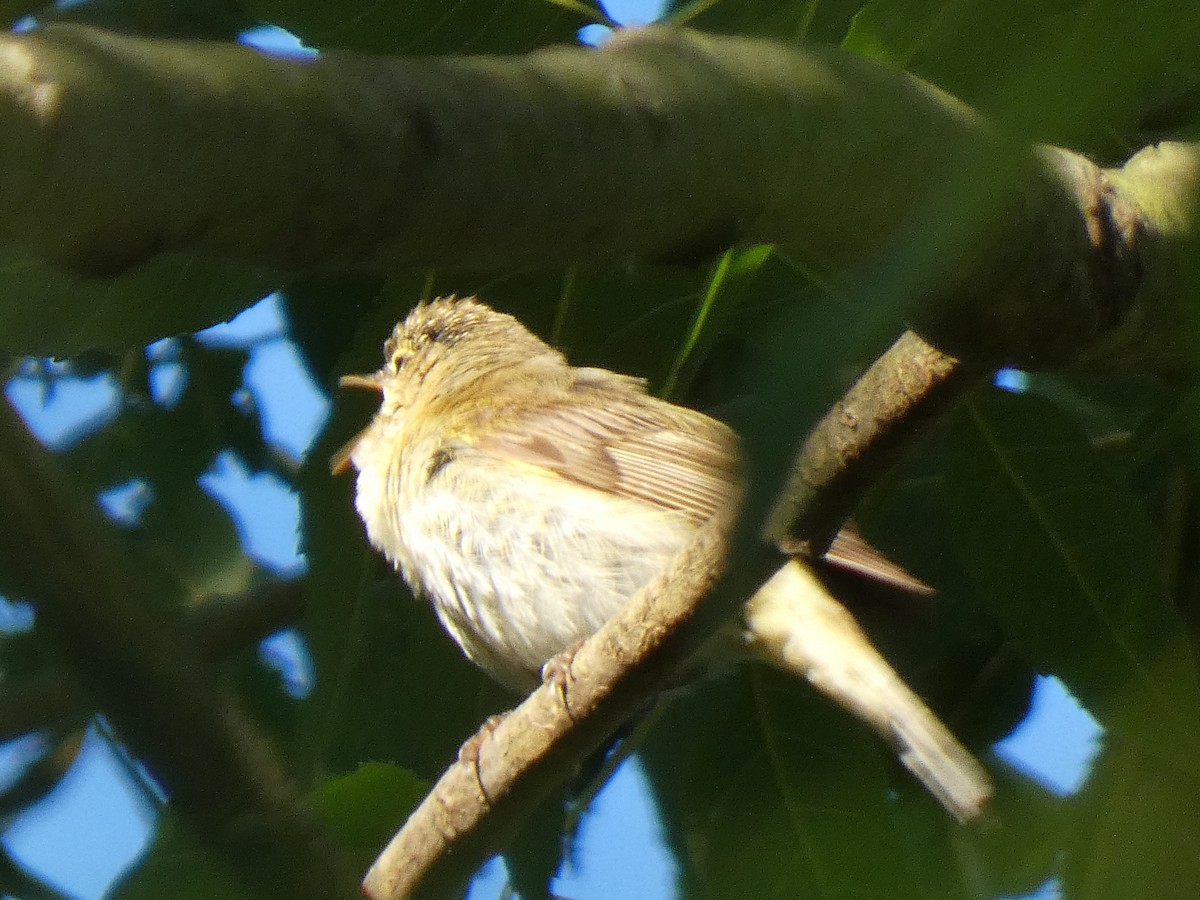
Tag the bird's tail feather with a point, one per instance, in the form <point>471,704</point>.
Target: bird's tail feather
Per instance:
<point>795,624</point>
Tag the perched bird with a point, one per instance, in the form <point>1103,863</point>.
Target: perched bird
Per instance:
<point>529,499</point>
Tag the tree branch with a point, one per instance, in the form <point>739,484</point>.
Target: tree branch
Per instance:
<point>697,142</point>
<point>891,406</point>
<point>368,161</point>
<point>108,618</point>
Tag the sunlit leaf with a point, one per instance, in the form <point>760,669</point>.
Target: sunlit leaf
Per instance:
<point>801,21</point>
<point>365,807</point>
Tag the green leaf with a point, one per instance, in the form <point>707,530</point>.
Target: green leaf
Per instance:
<point>1107,59</point>
<point>193,536</point>
<point>12,11</point>
<point>364,808</point>
<point>1018,847</point>
<point>728,283</point>
<point>187,531</point>
<point>51,313</point>
<point>177,866</point>
<point>802,21</point>
<point>769,791</point>
<point>1137,831</point>
<point>892,32</point>
<point>536,853</point>
<point>1064,556</point>
<point>211,19</point>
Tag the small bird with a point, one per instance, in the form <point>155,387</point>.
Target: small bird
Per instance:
<point>529,499</point>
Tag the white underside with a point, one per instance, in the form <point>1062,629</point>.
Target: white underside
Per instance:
<point>519,564</point>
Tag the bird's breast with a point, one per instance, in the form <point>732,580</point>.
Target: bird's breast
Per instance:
<point>518,562</point>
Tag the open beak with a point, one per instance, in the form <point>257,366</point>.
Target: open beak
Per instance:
<point>371,382</point>
<point>340,461</point>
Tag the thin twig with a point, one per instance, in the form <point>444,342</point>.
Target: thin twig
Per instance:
<point>894,403</point>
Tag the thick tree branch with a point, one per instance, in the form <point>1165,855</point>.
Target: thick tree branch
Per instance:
<point>691,140</point>
<point>1153,206</point>
<point>97,605</point>
<point>1146,208</point>
<point>695,142</point>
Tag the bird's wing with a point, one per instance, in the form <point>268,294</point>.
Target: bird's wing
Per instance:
<point>850,552</point>
<point>606,433</point>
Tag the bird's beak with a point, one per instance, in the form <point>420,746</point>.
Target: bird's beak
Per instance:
<point>371,382</point>
<point>340,461</point>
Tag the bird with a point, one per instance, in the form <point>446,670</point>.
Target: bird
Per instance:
<point>528,500</point>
